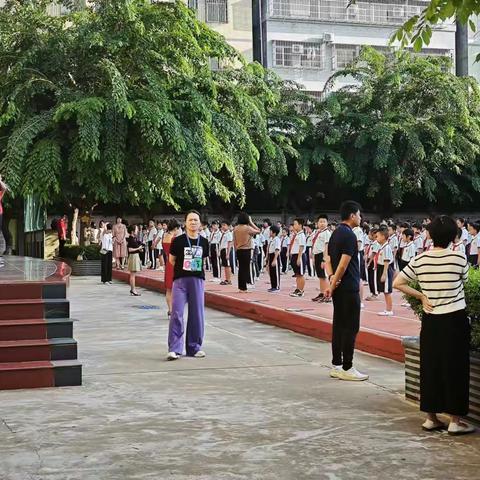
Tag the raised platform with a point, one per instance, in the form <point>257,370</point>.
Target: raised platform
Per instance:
<point>378,335</point>
<point>37,348</point>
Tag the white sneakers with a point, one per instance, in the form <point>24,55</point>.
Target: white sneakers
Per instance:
<point>352,375</point>
<point>176,356</point>
<point>431,426</point>
<point>460,428</point>
<point>385,313</point>
<point>200,354</point>
<point>172,356</point>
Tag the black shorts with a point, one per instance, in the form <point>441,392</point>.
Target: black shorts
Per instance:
<point>223,257</point>
<point>402,264</point>
<point>297,269</point>
<point>318,260</point>
<point>473,259</point>
<point>361,263</point>
<point>384,287</point>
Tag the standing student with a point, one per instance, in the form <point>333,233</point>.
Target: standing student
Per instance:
<point>393,240</point>
<point>418,237</point>
<point>285,242</point>
<point>158,245</point>
<point>274,246</point>
<point>152,251</point>
<point>409,250</point>
<point>134,265</point>
<point>297,249</point>
<point>215,236</point>
<point>226,243</point>
<point>308,248</point>
<point>445,332</point>
<point>172,230</point>
<point>320,254</point>
<point>242,240</point>
<point>205,233</point>
<point>344,273</point>
<point>267,223</point>
<point>106,252</point>
<point>384,271</point>
<point>187,255</point>
<point>474,252</point>
<point>458,245</point>
<point>370,261</point>
<point>359,233</point>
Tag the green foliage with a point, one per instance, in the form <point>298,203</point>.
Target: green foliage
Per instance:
<point>472,299</point>
<point>119,104</point>
<point>89,252</point>
<point>407,126</point>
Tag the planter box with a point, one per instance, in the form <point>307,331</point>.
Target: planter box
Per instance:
<point>412,376</point>
<point>84,267</point>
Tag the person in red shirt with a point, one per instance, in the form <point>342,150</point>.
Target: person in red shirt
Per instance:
<point>62,226</point>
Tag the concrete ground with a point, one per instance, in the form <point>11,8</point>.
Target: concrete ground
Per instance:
<point>260,406</point>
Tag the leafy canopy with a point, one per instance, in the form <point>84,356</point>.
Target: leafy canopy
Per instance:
<point>120,103</point>
<point>407,126</point>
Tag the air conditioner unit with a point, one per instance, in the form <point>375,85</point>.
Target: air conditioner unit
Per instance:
<point>297,48</point>
<point>352,11</point>
<point>329,37</point>
<point>398,12</point>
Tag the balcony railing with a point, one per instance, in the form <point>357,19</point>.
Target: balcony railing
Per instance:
<point>395,12</point>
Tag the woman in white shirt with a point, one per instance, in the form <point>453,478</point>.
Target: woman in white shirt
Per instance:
<point>445,333</point>
<point>106,252</point>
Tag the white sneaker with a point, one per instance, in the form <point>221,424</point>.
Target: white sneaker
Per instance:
<point>431,426</point>
<point>352,375</point>
<point>172,356</point>
<point>460,428</point>
<point>200,354</point>
<point>385,313</point>
<point>336,371</point>
<point>405,304</point>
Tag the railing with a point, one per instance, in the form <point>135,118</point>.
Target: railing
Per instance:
<point>336,10</point>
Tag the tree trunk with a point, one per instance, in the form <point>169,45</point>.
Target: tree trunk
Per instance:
<point>73,231</point>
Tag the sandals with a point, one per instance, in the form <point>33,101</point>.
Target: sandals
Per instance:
<point>431,426</point>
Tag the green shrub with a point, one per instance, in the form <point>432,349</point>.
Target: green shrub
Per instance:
<point>472,298</point>
<point>90,252</point>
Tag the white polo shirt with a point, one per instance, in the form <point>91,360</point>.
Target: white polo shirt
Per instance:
<point>321,240</point>
<point>298,241</point>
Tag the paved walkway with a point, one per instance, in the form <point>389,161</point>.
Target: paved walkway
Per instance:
<point>259,407</point>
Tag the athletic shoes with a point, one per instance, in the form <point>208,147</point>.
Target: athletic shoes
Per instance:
<point>297,293</point>
<point>460,428</point>
<point>385,313</point>
<point>318,298</point>
<point>352,375</point>
<point>273,290</point>
<point>172,356</point>
<point>336,371</point>
<point>225,283</point>
<point>200,354</point>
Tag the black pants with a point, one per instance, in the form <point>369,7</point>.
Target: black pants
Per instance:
<point>307,259</point>
<point>445,363</point>
<point>346,323</point>
<point>141,254</point>
<point>274,271</point>
<point>61,249</point>
<point>284,259</point>
<point>107,267</point>
<point>215,259</point>
<point>243,257</point>
<point>260,257</point>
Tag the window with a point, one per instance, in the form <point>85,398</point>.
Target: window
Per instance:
<point>299,54</point>
<point>345,55</point>
<point>216,11</point>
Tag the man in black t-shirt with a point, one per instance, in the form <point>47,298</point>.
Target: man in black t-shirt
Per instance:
<point>344,274</point>
<point>187,255</point>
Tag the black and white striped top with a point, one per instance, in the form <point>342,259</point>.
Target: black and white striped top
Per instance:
<point>441,274</point>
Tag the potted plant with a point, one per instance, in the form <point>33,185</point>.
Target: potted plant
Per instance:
<point>83,260</point>
<point>412,345</point>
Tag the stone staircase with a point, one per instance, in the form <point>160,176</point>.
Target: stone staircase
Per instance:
<point>37,348</point>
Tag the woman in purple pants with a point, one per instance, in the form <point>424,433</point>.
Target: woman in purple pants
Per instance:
<point>187,255</point>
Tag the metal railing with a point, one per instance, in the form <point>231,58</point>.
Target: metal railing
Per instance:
<point>395,12</point>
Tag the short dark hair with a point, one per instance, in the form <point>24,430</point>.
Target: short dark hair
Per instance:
<point>408,232</point>
<point>131,228</point>
<point>108,226</point>
<point>404,225</point>
<point>443,230</point>
<point>192,211</point>
<point>347,208</point>
<point>275,229</point>
<point>461,220</point>
<point>215,222</point>
<point>383,231</point>
<point>225,222</point>
<point>322,215</point>
<point>475,225</point>
<point>300,221</point>
<point>243,219</point>
<point>417,225</point>
<point>267,220</point>
<point>172,225</point>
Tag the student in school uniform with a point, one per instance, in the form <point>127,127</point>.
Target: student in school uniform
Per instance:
<point>308,248</point>
<point>205,233</point>
<point>320,254</point>
<point>393,240</point>
<point>158,246</point>
<point>267,223</point>
<point>233,255</point>
<point>465,238</point>
<point>418,238</point>
<point>226,243</point>
<point>474,253</point>
<point>409,250</point>
<point>458,245</point>
<point>297,249</point>
<point>285,242</point>
<point>215,236</point>
<point>274,247</point>
<point>152,252</point>
<point>358,231</point>
<point>370,261</point>
<point>384,271</point>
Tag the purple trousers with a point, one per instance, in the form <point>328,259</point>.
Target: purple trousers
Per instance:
<point>191,291</point>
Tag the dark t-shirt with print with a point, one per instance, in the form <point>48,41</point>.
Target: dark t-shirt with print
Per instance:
<point>344,241</point>
<point>177,248</point>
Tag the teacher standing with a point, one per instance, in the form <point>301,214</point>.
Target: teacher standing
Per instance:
<point>242,240</point>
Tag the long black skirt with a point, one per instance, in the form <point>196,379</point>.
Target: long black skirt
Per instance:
<point>445,363</point>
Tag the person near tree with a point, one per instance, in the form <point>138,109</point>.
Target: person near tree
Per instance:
<point>187,255</point>
<point>134,265</point>
<point>119,235</point>
<point>106,252</point>
<point>62,227</point>
<point>171,232</point>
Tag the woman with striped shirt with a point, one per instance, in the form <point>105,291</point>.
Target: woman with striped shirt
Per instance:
<point>445,333</point>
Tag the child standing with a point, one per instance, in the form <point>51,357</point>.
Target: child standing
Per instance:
<point>297,249</point>
<point>214,238</point>
<point>226,243</point>
<point>285,242</point>
<point>458,245</point>
<point>320,254</point>
<point>274,247</point>
<point>372,251</point>
<point>474,254</point>
<point>384,271</point>
<point>409,250</point>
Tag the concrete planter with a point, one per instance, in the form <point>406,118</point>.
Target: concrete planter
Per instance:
<point>84,267</point>
<point>412,376</point>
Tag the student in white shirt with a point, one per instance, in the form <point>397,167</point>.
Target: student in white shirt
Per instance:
<point>226,244</point>
<point>158,245</point>
<point>308,248</point>
<point>384,271</point>
<point>214,240</point>
<point>284,243</point>
<point>320,253</point>
<point>106,252</point>
<point>297,249</point>
<point>152,252</point>
<point>458,244</point>
<point>358,231</point>
<point>409,250</point>
<point>274,246</point>
<point>373,249</point>
<point>474,253</point>
<point>418,238</point>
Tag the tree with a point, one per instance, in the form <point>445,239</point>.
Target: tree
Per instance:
<point>404,126</point>
<point>119,104</point>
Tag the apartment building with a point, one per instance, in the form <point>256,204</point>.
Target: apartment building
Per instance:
<point>308,40</point>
